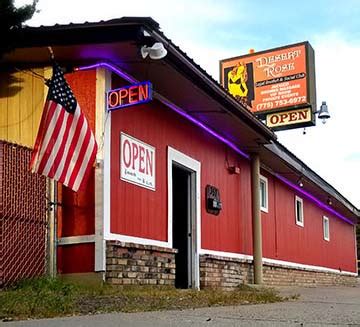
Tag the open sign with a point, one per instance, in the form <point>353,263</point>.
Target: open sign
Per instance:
<point>137,162</point>
<point>129,95</point>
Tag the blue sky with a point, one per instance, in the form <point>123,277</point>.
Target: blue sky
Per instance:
<point>211,30</point>
<point>266,24</point>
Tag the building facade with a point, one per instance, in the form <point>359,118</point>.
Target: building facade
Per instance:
<point>176,193</point>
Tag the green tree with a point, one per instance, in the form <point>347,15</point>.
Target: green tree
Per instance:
<point>11,20</point>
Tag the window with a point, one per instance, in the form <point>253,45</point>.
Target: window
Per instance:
<point>326,228</point>
<point>299,211</point>
<point>263,193</point>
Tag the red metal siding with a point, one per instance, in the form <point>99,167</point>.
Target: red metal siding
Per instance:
<point>139,212</point>
<point>77,214</point>
<point>284,240</point>
<point>76,258</point>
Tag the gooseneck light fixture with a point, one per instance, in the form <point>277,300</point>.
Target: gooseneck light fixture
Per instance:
<point>156,52</point>
<point>323,113</point>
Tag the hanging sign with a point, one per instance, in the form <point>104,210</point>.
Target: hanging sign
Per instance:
<point>275,80</point>
<point>282,120</point>
<point>137,162</point>
<point>129,95</point>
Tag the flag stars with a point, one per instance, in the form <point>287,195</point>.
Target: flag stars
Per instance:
<point>61,92</point>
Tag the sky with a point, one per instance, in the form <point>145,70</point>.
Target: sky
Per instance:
<point>211,30</point>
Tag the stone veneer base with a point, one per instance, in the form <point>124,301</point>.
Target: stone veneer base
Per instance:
<point>228,273</point>
<point>136,264</point>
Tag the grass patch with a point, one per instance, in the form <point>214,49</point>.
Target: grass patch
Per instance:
<point>51,297</point>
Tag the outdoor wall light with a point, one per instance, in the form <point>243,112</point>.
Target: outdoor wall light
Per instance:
<point>156,52</point>
<point>323,113</point>
<point>299,182</point>
<point>234,170</point>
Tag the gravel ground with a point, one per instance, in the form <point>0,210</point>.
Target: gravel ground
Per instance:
<point>316,306</point>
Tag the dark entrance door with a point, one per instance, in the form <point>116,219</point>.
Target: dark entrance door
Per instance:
<point>182,225</point>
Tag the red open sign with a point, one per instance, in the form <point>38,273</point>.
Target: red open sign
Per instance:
<point>129,95</point>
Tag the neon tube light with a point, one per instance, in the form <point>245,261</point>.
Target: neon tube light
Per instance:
<point>314,199</point>
<point>175,108</point>
<point>129,95</point>
<point>169,104</point>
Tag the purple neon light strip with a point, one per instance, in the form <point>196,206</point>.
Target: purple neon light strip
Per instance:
<point>112,68</point>
<point>213,133</point>
<point>170,105</point>
<point>313,198</point>
<point>201,125</point>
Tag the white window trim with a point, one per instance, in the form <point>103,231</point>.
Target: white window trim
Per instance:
<point>299,222</point>
<point>265,180</point>
<point>326,238</point>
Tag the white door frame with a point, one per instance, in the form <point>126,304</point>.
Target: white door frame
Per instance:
<point>195,166</point>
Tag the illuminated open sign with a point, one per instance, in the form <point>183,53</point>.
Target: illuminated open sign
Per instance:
<point>129,95</point>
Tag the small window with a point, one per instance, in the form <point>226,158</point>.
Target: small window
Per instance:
<point>299,211</point>
<point>263,193</point>
<point>326,228</point>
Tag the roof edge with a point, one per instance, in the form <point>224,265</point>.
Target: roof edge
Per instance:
<point>214,85</point>
<point>282,152</point>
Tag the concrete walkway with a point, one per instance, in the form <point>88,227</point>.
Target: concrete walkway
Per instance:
<point>318,306</point>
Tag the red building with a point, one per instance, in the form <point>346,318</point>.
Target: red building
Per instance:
<point>187,183</point>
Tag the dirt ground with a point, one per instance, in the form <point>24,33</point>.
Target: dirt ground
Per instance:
<point>316,306</point>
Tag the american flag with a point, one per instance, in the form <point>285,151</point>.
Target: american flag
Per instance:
<point>65,147</point>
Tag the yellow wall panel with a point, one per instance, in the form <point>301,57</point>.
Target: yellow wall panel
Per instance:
<point>26,109</point>
<point>13,107</point>
<point>38,103</point>
<point>21,105</point>
<point>3,106</point>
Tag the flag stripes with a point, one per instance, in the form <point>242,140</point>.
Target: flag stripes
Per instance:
<point>65,147</point>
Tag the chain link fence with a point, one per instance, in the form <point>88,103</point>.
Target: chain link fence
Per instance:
<point>23,217</point>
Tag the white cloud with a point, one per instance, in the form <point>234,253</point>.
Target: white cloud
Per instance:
<point>171,13</point>
<point>327,149</point>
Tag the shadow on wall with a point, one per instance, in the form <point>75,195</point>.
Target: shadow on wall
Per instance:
<point>9,85</point>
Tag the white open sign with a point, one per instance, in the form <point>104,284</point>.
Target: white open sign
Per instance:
<point>137,162</point>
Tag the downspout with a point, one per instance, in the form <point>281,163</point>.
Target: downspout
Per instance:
<point>256,218</point>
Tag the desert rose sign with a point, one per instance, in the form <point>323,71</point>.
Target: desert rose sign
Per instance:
<point>273,81</point>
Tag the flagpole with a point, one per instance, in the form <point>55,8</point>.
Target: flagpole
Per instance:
<point>52,214</point>
<point>53,196</point>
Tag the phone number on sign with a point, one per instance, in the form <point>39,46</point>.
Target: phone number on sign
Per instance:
<point>280,103</point>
